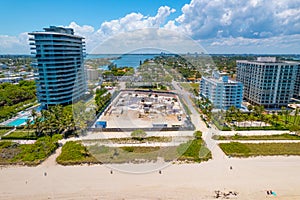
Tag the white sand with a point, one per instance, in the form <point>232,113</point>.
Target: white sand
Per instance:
<point>249,177</point>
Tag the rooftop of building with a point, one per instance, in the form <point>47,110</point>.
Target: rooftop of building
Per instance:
<point>56,30</point>
<point>269,59</point>
<point>220,77</point>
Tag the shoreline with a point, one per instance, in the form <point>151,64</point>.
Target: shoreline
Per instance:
<point>249,177</point>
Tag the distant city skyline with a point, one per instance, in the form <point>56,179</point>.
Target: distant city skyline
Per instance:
<point>227,26</point>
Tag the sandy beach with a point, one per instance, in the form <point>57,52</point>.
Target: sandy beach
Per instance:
<point>251,178</point>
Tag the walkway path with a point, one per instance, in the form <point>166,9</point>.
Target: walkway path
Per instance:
<point>212,145</point>
<point>9,132</point>
<point>258,141</point>
<point>51,160</point>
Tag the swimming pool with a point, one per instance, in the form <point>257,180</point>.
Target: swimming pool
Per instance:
<point>18,122</point>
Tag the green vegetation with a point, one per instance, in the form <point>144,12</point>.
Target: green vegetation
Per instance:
<point>198,135</point>
<point>101,91</point>
<point>102,99</point>
<point>206,107</point>
<point>74,153</point>
<point>16,63</point>
<point>130,140</point>
<point>4,130</point>
<point>20,135</point>
<point>132,154</point>
<point>68,120</point>
<point>282,120</point>
<point>15,98</point>
<point>191,87</point>
<point>258,137</point>
<point>194,150</point>
<point>186,69</point>
<point>219,123</point>
<point>28,154</point>
<point>113,70</point>
<point>237,149</point>
<point>138,134</point>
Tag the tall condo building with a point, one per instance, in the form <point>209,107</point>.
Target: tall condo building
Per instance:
<point>297,85</point>
<point>221,91</point>
<point>268,82</point>
<point>59,54</point>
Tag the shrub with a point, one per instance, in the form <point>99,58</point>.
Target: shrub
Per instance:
<point>138,134</point>
<point>74,153</point>
<point>198,134</point>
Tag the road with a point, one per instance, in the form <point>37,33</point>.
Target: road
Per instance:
<point>217,153</point>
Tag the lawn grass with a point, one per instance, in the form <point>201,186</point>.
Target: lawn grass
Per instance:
<point>20,135</point>
<point>3,131</point>
<point>285,136</point>
<point>195,86</point>
<point>27,154</point>
<point>237,149</point>
<point>188,86</point>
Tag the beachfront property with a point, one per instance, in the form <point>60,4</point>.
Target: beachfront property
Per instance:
<point>297,84</point>
<point>268,82</point>
<point>59,54</point>
<point>221,91</point>
<point>144,109</point>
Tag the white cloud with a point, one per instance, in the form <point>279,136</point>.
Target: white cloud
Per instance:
<point>128,23</point>
<point>276,44</point>
<point>14,44</point>
<point>204,19</point>
<point>254,25</point>
<point>155,39</point>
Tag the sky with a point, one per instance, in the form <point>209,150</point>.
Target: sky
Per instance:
<point>218,26</point>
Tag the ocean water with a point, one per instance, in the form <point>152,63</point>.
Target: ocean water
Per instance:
<point>125,60</point>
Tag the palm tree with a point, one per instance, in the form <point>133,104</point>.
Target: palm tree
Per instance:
<point>250,107</point>
<point>275,118</point>
<point>296,115</point>
<point>251,118</point>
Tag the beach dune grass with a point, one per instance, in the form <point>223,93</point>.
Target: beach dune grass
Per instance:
<point>90,152</point>
<point>285,136</point>
<point>132,154</point>
<point>28,154</point>
<point>73,153</point>
<point>237,149</point>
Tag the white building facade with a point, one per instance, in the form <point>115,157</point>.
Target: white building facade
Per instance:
<point>268,82</point>
<point>221,91</point>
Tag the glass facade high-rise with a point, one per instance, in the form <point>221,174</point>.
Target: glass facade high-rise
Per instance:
<point>268,82</point>
<point>297,85</point>
<point>59,65</point>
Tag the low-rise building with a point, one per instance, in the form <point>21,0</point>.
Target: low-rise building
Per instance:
<point>93,74</point>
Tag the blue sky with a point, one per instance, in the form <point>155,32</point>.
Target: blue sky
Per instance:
<point>220,26</point>
<point>28,15</point>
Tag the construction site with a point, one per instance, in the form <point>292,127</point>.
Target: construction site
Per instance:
<point>144,109</point>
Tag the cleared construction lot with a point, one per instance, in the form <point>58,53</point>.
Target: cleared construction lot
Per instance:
<point>143,109</point>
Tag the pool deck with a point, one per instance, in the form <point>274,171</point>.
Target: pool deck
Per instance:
<point>18,116</point>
